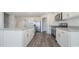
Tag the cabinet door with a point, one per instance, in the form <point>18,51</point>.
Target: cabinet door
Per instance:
<point>1,38</point>
<point>65,15</point>
<point>73,14</point>
<point>1,20</point>
<point>13,38</point>
<point>31,33</point>
<point>74,39</point>
<point>59,37</point>
<point>62,38</point>
<point>27,37</point>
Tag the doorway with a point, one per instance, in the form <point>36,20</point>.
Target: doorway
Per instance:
<point>44,24</point>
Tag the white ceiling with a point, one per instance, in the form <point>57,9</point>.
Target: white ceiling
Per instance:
<point>27,13</point>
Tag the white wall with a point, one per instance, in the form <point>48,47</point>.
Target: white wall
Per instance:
<point>1,20</point>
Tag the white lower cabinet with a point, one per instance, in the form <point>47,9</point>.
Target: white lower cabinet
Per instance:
<point>67,38</point>
<point>28,37</point>
<point>74,39</point>
<point>13,38</point>
<point>62,37</point>
<point>16,38</point>
<point>1,38</point>
<point>29,34</point>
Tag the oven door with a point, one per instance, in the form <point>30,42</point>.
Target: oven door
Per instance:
<point>53,31</point>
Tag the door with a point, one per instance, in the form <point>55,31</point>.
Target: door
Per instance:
<point>44,25</point>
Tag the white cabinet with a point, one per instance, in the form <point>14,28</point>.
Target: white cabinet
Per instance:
<point>67,15</point>
<point>13,38</point>
<point>73,14</point>
<point>67,38</point>
<point>12,21</point>
<point>28,39</point>
<point>1,38</point>
<point>26,34</point>
<point>62,38</point>
<point>29,34</point>
<point>16,37</point>
<point>1,20</point>
<point>74,39</point>
<point>20,38</point>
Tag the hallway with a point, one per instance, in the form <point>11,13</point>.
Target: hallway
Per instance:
<point>43,40</point>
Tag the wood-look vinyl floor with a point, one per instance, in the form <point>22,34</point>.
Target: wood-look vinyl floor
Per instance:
<point>43,40</point>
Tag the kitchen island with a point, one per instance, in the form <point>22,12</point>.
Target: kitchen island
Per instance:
<point>68,37</point>
<point>16,37</point>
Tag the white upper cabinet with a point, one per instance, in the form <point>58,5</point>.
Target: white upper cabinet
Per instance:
<point>1,20</point>
<point>67,15</point>
<point>74,14</point>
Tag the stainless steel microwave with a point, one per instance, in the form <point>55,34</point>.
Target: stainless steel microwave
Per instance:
<point>58,17</point>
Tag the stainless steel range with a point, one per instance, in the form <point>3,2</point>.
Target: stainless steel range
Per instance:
<point>61,25</point>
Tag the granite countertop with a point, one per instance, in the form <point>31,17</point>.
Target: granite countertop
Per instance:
<point>17,28</point>
<point>71,29</point>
